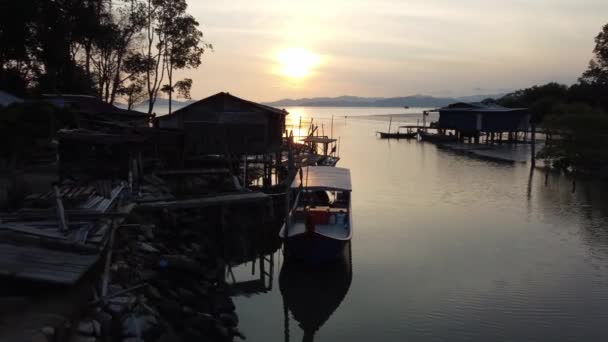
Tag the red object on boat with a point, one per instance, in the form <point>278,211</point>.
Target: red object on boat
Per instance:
<point>320,216</point>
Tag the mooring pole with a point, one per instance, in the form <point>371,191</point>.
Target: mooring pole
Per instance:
<point>533,146</point>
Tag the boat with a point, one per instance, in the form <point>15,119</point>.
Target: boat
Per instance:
<point>398,135</point>
<point>328,155</point>
<point>433,137</point>
<point>319,223</point>
<point>313,295</point>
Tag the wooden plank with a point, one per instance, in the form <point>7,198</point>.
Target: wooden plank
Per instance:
<point>51,256</point>
<point>193,172</point>
<point>34,231</point>
<point>207,201</point>
<point>44,265</point>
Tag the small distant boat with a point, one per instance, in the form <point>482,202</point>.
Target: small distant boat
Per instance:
<point>319,224</point>
<point>433,137</point>
<point>398,135</point>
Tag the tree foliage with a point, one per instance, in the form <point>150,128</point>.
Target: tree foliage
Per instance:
<point>597,72</point>
<point>577,115</point>
<point>106,48</point>
<point>580,146</point>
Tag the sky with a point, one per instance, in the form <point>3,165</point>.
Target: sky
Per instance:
<point>272,49</point>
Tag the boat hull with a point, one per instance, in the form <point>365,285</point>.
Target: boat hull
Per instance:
<point>437,137</point>
<point>384,135</point>
<point>315,248</point>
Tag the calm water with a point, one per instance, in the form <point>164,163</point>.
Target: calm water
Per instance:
<point>445,248</point>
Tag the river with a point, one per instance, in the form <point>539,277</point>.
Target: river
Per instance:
<point>445,248</point>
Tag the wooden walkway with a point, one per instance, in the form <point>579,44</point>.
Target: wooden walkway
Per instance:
<point>207,201</point>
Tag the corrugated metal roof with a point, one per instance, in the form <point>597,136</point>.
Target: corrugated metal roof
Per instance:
<point>476,107</point>
<point>220,103</point>
<point>324,177</point>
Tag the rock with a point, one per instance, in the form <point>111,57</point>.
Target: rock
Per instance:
<point>170,308</point>
<point>134,326</point>
<point>80,338</point>
<point>89,328</point>
<point>203,288</point>
<point>191,334</point>
<point>223,304</point>
<point>169,338</point>
<point>223,332</point>
<point>105,322</point>
<point>236,332</point>
<point>180,263</point>
<point>172,294</point>
<point>200,321</point>
<point>49,332</point>
<point>153,292</point>
<point>195,247</point>
<point>153,333</point>
<point>148,231</point>
<point>187,310</point>
<point>118,305</point>
<point>148,248</point>
<point>211,275</point>
<point>229,319</point>
<point>186,295</point>
<point>148,275</point>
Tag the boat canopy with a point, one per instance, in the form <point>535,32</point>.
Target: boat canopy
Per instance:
<point>319,140</point>
<point>324,178</point>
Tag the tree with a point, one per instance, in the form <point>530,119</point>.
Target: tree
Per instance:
<point>134,92</point>
<point>597,72</point>
<point>172,41</point>
<point>580,146</point>
<point>183,50</point>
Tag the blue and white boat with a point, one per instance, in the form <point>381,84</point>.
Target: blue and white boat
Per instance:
<point>319,224</point>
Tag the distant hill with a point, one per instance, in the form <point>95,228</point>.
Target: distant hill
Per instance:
<point>355,101</point>
<point>165,102</point>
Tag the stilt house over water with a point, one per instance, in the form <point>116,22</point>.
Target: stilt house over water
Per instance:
<point>474,119</point>
<point>227,125</point>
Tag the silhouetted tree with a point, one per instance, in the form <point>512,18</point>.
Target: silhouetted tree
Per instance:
<point>597,72</point>
<point>183,50</point>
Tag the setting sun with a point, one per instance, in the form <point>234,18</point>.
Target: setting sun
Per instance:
<point>296,62</point>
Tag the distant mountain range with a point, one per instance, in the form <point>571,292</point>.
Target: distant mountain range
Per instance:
<point>345,101</point>
<point>355,101</point>
<point>165,102</point>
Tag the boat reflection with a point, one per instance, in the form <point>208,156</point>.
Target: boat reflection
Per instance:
<point>313,294</point>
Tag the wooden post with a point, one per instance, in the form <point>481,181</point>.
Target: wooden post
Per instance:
<point>60,209</point>
<point>533,146</point>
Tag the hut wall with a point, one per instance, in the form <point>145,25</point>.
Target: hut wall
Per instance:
<point>463,121</point>
<point>501,121</point>
<point>505,121</point>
